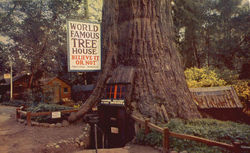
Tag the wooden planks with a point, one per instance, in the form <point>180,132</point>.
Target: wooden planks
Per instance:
<point>166,134</point>
<point>30,114</point>
<point>202,140</point>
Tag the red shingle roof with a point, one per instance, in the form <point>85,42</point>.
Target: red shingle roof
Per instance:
<point>216,97</point>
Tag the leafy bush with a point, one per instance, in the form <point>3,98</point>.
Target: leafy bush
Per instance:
<point>242,88</point>
<point>42,107</point>
<point>221,131</point>
<point>154,138</point>
<point>48,94</point>
<point>203,77</point>
<point>16,103</point>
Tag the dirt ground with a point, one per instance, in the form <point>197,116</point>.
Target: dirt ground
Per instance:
<point>132,148</point>
<point>19,138</point>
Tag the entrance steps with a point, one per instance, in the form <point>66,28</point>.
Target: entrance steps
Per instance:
<point>112,150</point>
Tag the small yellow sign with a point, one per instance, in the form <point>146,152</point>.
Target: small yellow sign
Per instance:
<point>6,76</point>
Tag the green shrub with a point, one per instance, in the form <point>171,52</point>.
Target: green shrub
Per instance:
<point>16,103</point>
<point>154,138</point>
<point>220,131</point>
<point>42,107</point>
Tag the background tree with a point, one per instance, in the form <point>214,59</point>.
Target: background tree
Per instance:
<point>187,16</point>
<point>212,33</point>
<point>3,59</point>
<point>36,32</point>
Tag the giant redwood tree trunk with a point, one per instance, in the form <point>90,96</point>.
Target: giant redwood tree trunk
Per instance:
<point>139,33</point>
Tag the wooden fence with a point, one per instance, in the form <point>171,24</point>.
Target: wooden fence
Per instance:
<point>235,147</point>
<point>28,115</point>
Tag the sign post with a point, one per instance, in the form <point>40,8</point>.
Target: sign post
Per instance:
<point>84,46</point>
<point>11,82</point>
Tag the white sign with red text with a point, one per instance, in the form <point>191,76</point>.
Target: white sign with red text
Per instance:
<point>84,46</point>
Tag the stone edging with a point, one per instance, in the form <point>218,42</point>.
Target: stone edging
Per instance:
<point>81,141</point>
<point>33,123</point>
<point>161,150</point>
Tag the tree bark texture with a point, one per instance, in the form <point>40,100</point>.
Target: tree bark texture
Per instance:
<point>146,41</point>
<point>139,33</point>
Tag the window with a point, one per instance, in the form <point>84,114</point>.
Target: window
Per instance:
<point>112,93</point>
<point>123,91</point>
<point>115,91</point>
<point>118,93</point>
<point>108,92</point>
<point>65,90</point>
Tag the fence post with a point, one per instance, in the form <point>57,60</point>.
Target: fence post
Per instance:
<point>165,140</point>
<point>237,147</point>
<point>146,126</point>
<point>28,118</point>
<point>17,113</point>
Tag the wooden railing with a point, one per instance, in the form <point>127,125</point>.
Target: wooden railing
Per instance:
<point>28,115</point>
<point>235,147</point>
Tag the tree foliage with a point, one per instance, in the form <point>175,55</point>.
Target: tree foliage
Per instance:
<point>209,33</point>
<point>242,88</point>
<point>213,33</point>
<point>203,77</point>
<point>3,59</point>
<point>36,33</point>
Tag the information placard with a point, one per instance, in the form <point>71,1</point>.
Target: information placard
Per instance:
<point>118,102</point>
<point>114,130</point>
<point>56,115</point>
<point>84,46</point>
